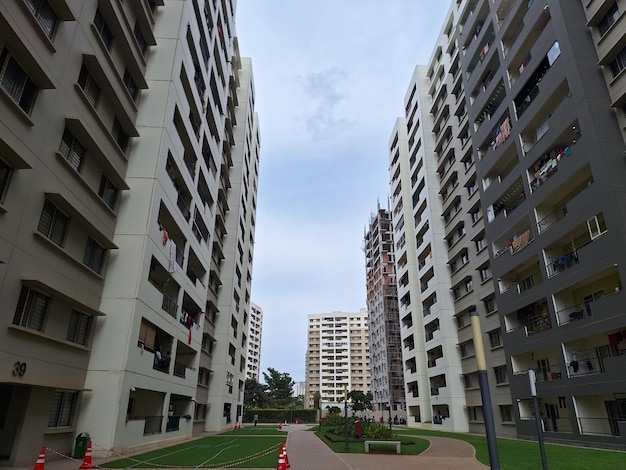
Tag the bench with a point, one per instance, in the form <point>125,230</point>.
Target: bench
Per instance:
<point>389,443</point>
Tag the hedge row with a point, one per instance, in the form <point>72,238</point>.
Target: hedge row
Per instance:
<point>270,415</point>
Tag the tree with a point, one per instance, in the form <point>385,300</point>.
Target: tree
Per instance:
<point>360,401</point>
<point>279,387</point>
<point>317,397</point>
<point>255,395</point>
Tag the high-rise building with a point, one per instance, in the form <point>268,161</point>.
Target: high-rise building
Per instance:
<point>129,161</point>
<point>525,104</point>
<point>549,156</point>
<point>255,330</point>
<point>387,378</point>
<point>337,356</point>
<point>443,268</point>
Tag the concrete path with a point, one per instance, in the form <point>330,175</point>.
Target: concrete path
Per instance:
<point>307,452</point>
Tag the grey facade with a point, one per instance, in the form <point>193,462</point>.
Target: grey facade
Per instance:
<point>549,159</point>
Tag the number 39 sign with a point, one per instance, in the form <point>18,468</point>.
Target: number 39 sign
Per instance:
<point>19,369</point>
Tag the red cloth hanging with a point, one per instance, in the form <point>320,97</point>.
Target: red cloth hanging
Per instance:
<point>189,335</point>
<point>166,237</point>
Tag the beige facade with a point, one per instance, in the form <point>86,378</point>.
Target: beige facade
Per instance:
<point>337,356</point>
<point>129,150</point>
<point>255,334</point>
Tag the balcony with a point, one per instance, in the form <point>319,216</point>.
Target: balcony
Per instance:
<point>596,296</point>
<point>565,252</point>
<point>532,319</point>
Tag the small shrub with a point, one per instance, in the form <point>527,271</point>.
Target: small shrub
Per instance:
<point>377,431</point>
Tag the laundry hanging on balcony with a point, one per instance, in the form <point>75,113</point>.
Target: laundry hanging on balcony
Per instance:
<point>172,266</point>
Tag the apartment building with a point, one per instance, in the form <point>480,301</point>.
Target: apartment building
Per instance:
<point>387,377</point>
<point>130,154</point>
<point>442,264</point>
<point>549,155</point>
<point>255,330</point>
<point>337,357</point>
<point>70,97</point>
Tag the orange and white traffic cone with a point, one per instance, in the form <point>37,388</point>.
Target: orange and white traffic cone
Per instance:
<point>87,459</point>
<point>284,449</point>
<point>281,462</point>
<point>41,460</point>
<point>280,426</point>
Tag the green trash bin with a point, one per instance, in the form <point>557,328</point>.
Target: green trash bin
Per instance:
<point>82,441</point>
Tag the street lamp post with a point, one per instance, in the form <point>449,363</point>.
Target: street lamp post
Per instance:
<point>345,408</point>
<point>533,391</point>
<point>389,409</point>
<point>490,430</point>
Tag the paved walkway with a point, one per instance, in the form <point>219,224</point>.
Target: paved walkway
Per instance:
<point>307,452</point>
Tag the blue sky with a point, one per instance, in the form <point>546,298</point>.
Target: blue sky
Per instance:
<point>330,78</point>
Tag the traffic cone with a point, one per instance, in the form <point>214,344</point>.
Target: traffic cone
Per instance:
<point>280,426</point>
<point>41,460</point>
<point>281,462</point>
<point>284,448</point>
<point>87,459</point>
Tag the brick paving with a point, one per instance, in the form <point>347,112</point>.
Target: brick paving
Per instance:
<point>307,452</point>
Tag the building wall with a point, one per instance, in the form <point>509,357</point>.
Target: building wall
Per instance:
<point>134,347</point>
<point>387,385</point>
<point>551,194</point>
<point>255,334</point>
<point>337,355</point>
<point>47,362</point>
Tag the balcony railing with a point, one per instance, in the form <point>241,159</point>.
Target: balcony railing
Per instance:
<point>169,305</point>
<point>179,369</point>
<point>173,423</point>
<point>152,424</point>
<point>561,263</point>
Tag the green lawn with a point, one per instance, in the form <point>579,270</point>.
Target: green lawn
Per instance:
<point>243,451</point>
<point>259,447</point>
<point>524,455</point>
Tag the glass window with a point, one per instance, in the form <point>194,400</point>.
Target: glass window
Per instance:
<point>494,339</point>
<point>506,413</point>
<point>31,310</point>
<point>89,86</point>
<point>78,328</point>
<point>608,19</point>
<point>500,373</point>
<point>107,191</point>
<point>62,409</point>
<point>131,86</point>
<point>15,81</point>
<point>619,62</point>
<point>53,223</point>
<point>5,177</point>
<point>143,45</point>
<point>94,255</point>
<point>103,28</point>
<point>72,149</point>
<point>119,135</point>
<point>46,17</point>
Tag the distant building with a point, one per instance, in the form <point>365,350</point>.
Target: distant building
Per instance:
<point>299,388</point>
<point>337,355</point>
<point>255,330</point>
<point>387,377</point>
